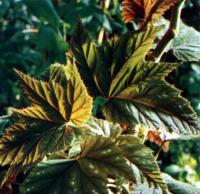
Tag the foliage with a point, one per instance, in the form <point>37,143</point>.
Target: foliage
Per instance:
<point>78,131</point>
<point>145,11</point>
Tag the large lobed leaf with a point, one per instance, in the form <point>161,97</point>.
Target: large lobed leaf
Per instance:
<point>100,161</point>
<point>47,126</point>
<point>135,90</point>
<point>100,66</point>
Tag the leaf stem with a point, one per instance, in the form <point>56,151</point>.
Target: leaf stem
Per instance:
<point>171,33</point>
<point>160,149</point>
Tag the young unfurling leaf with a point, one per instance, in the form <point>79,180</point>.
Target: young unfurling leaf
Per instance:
<point>142,11</point>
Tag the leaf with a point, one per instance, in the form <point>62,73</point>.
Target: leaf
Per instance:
<point>175,187</point>
<point>49,40</point>
<point>56,103</point>
<point>44,10</point>
<point>104,128</point>
<point>99,158</point>
<point>100,161</point>
<point>178,187</point>
<point>114,58</point>
<point>48,125</point>
<point>142,157</point>
<point>25,144</point>
<point>137,92</point>
<point>4,122</point>
<point>149,100</point>
<point>142,43</point>
<point>185,46</point>
<point>80,38</point>
<point>143,11</point>
<point>103,157</point>
<point>61,176</point>
<point>144,188</point>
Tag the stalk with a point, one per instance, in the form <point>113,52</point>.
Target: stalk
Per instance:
<point>171,33</point>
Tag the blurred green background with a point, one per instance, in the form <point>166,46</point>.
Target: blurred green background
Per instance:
<point>34,34</point>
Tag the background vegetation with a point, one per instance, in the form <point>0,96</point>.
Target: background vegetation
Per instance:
<point>29,43</point>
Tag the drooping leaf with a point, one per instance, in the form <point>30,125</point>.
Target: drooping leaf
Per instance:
<point>100,157</point>
<point>124,155</point>
<point>143,11</point>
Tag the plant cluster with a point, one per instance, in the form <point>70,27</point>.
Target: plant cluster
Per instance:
<point>81,132</point>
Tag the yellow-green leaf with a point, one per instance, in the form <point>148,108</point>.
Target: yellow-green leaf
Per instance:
<point>69,102</point>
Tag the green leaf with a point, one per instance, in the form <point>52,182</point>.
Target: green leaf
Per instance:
<point>185,46</point>
<point>175,187</point>
<point>55,102</point>
<point>178,187</point>
<point>49,39</point>
<point>144,188</point>
<point>100,161</point>
<point>123,156</point>
<point>44,10</point>
<point>104,128</point>
<point>4,122</point>
<point>141,157</point>
<point>61,176</point>
<point>114,58</point>
<point>151,101</point>
<point>100,157</point>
